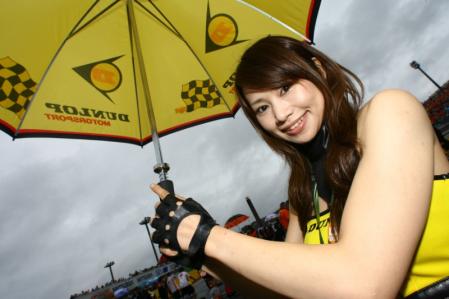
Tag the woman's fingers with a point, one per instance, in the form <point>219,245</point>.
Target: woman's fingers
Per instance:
<point>161,192</point>
<point>156,223</point>
<point>168,251</point>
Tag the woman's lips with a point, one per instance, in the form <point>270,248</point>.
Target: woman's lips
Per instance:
<point>297,126</point>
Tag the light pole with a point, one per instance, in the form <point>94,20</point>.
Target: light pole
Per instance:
<point>440,136</point>
<point>417,66</point>
<point>145,222</point>
<point>254,211</point>
<point>109,265</point>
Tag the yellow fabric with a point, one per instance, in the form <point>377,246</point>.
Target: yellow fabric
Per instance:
<point>432,258</point>
<point>293,13</point>
<point>312,235</point>
<point>431,262</point>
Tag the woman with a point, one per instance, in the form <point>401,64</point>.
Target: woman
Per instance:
<point>371,182</point>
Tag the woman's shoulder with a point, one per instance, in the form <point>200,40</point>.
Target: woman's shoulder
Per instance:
<point>391,107</point>
<point>391,99</point>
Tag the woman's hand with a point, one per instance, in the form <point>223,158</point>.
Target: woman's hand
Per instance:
<point>182,225</point>
<point>186,227</point>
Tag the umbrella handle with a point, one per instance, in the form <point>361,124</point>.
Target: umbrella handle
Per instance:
<point>167,185</point>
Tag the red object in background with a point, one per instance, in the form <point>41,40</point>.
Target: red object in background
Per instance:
<point>235,220</point>
<point>163,259</point>
<point>284,218</point>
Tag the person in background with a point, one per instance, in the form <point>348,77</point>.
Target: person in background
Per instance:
<point>173,285</point>
<point>185,288</point>
<point>283,215</point>
<point>162,287</point>
<point>368,187</point>
<point>214,289</point>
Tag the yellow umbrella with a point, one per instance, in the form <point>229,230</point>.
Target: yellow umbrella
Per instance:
<point>129,70</point>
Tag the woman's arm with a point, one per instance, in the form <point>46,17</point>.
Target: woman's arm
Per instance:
<point>237,281</point>
<point>383,219</point>
<point>246,287</point>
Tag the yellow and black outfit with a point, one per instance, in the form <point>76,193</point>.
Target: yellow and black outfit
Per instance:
<point>431,261</point>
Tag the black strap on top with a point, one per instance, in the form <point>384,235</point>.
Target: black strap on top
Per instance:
<point>437,290</point>
<point>438,177</point>
<point>315,152</point>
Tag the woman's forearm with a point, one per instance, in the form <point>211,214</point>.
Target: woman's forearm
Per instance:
<point>238,282</point>
<point>293,270</point>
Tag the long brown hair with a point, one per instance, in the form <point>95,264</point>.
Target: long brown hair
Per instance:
<point>276,61</point>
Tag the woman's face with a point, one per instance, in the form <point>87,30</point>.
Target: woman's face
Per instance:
<point>293,113</point>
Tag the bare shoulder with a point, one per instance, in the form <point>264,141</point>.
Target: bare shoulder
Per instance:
<point>392,109</point>
<point>390,100</point>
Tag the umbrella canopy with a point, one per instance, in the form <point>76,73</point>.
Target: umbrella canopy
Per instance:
<point>129,70</point>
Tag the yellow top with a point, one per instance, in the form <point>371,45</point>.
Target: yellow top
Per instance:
<point>312,235</point>
<point>431,262</point>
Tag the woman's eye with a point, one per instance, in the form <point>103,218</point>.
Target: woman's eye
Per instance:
<point>284,89</point>
<point>261,109</point>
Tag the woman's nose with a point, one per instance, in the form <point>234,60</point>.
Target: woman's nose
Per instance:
<point>281,111</point>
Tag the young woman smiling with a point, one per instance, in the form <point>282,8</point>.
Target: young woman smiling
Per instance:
<point>368,189</point>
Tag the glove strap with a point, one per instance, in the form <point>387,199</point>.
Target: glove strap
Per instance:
<point>198,242</point>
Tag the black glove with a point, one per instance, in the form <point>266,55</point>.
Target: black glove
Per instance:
<point>167,226</point>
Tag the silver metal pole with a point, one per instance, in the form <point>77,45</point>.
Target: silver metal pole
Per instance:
<point>160,168</point>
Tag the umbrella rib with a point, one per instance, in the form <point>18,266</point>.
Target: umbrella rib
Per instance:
<point>193,52</point>
<point>83,16</point>
<point>172,30</point>
<point>273,19</point>
<point>135,77</point>
<point>73,32</point>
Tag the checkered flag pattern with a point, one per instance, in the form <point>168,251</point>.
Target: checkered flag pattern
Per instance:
<point>200,94</point>
<point>16,86</point>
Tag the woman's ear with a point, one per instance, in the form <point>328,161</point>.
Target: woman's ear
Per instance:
<point>319,66</point>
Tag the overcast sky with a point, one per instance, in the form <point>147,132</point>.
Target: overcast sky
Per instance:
<point>68,207</point>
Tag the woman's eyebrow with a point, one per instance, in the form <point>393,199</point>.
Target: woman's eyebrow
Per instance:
<point>255,102</point>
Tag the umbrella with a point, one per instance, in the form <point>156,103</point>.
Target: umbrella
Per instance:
<point>130,70</point>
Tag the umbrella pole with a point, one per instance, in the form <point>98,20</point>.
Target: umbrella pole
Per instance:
<point>161,168</point>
